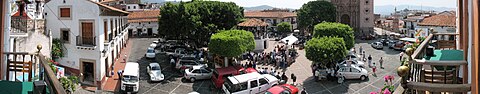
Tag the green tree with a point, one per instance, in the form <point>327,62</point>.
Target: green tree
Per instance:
<point>336,30</point>
<point>315,12</point>
<point>231,43</point>
<point>284,27</point>
<point>197,20</point>
<point>325,50</point>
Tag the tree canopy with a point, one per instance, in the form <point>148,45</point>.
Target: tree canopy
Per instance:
<point>284,27</point>
<point>326,50</point>
<point>315,12</point>
<point>196,21</point>
<point>231,43</point>
<point>335,29</point>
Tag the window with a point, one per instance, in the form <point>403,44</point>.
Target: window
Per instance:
<point>87,33</point>
<point>196,71</point>
<point>111,28</point>
<point>65,13</point>
<point>366,2</point>
<point>65,35</point>
<point>134,7</point>
<point>253,83</point>
<point>128,7</point>
<point>263,81</point>
<point>366,10</point>
<point>366,19</point>
<point>105,30</point>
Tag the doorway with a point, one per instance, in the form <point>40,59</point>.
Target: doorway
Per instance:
<point>149,31</point>
<point>130,32</point>
<point>88,71</point>
<point>106,67</point>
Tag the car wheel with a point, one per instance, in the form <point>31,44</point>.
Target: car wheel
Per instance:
<point>341,80</point>
<point>192,79</point>
<point>363,77</point>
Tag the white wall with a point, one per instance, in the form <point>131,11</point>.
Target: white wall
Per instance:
<point>144,26</point>
<point>439,29</point>
<point>133,7</point>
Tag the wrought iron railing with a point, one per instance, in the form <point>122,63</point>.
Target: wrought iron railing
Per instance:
<point>432,75</point>
<point>88,41</point>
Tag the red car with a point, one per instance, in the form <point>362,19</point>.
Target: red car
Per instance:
<point>283,89</point>
<point>219,74</point>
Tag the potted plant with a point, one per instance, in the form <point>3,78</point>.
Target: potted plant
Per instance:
<point>57,48</point>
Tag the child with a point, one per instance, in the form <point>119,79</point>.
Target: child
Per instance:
<point>374,69</point>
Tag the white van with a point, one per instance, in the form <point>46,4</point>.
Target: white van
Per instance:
<point>130,77</point>
<point>250,83</point>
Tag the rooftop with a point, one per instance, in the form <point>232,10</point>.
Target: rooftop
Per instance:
<point>252,23</point>
<point>442,19</point>
<point>144,16</point>
<point>109,7</point>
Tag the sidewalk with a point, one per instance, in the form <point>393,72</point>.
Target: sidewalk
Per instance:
<point>112,83</point>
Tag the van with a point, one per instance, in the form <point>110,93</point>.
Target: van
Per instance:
<point>130,77</point>
<point>250,83</point>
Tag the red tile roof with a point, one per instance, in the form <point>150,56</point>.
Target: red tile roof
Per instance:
<point>252,23</point>
<point>439,20</point>
<point>17,14</point>
<point>260,14</point>
<point>144,16</point>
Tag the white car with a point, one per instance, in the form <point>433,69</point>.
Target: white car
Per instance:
<point>351,72</point>
<point>377,45</point>
<point>361,64</point>
<point>155,72</point>
<point>154,44</point>
<point>197,73</point>
<point>150,53</point>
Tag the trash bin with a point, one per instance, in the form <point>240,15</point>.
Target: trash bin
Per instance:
<point>39,87</point>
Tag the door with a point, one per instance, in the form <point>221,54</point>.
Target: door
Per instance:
<point>130,32</point>
<point>206,74</point>
<point>149,31</point>
<point>356,73</point>
<point>87,33</point>
<point>254,88</point>
<point>263,84</point>
<point>88,72</point>
<point>197,74</point>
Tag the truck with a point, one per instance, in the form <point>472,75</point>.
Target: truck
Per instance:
<point>130,78</point>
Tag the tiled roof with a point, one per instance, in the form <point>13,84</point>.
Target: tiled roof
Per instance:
<point>439,20</point>
<point>144,16</point>
<point>260,14</point>
<point>17,14</point>
<point>107,1</point>
<point>109,7</point>
<point>252,23</point>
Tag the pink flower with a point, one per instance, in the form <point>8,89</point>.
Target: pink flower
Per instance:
<point>386,78</point>
<point>387,91</point>
<point>392,77</point>
<point>373,93</point>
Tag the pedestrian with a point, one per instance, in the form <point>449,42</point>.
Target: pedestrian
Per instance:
<point>125,58</point>
<point>369,60</point>
<point>374,69</point>
<point>363,56</point>
<point>304,91</point>
<point>172,63</point>
<point>112,73</point>
<point>119,72</point>
<point>284,77</point>
<point>381,62</point>
<point>314,68</point>
<point>294,78</point>
<point>277,75</point>
<point>254,64</point>
<point>401,56</point>
<point>250,65</point>
<point>361,50</point>
<point>332,74</point>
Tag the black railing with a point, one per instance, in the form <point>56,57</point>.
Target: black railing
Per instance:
<point>86,41</point>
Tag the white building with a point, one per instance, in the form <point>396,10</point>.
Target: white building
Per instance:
<point>444,22</point>
<point>93,34</point>
<point>143,23</point>
<point>274,17</point>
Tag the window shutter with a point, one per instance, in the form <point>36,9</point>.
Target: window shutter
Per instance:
<point>64,12</point>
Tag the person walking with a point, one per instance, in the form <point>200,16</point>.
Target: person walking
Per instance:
<point>119,72</point>
<point>172,62</point>
<point>374,69</point>
<point>361,50</point>
<point>381,62</point>
<point>294,78</point>
<point>401,56</point>
<point>363,56</point>
<point>369,60</point>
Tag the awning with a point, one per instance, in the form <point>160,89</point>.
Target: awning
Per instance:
<point>412,40</point>
<point>291,39</point>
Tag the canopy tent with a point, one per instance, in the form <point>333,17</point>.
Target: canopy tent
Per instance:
<point>291,39</point>
<point>412,40</point>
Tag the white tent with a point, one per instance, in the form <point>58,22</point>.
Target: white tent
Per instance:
<point>291,39</point>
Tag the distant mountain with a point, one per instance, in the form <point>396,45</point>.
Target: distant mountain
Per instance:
<point>262,7</point>
<point>153,1</point>
<point>388,9</point>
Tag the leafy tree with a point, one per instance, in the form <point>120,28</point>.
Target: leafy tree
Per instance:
<point>284,27</point>
<point>197,20</point>
<point>315,12</point>
<point>325,50</point>
<point>335,29</point>
<point>231,43</point>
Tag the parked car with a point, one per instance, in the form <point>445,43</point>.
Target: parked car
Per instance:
<point>351,72</point>
<point>377,45</point>
<point>220,75</point>
<point>351,56</point>
<point>130,78</point>
<point>197,72</point>
<point>155,72</point>
<point>398,46</point>
<point>361,64</point>
<point>154,44</point>
<point>185,64</point>
<point>391,43</point>
<point>384,42</point>
<point>250,83</point>
<point>283,89</point>
<point>150,53</point>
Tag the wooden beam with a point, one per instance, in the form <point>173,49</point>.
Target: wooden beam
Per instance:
<point>431,87</point>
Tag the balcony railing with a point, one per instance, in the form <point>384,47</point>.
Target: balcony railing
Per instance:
<point>27,63</point>
<point>86,41</point>
<point>427,75</point>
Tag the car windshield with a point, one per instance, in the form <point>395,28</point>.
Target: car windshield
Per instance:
<point>131,79</point>
<point>268,92</point>
<point>234,87</point>
<point>155,67</point>
<point>150,51</point>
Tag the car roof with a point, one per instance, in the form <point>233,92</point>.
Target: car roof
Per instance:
<point>226,70</point>
<point>149,48</point>
<point>154,64</point>
<point>131,68</point>
<point>198,66</point>
<point>244,77</point>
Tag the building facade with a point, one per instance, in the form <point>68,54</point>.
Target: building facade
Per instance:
<point>273,17</point>
<point>358,14</point>
<point>92,33</point>
<point>143,23</point>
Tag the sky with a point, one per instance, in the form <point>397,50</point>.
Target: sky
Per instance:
<point>295,4</point>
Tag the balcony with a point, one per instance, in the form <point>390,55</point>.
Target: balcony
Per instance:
<point>87,43</point>
<point>434,67</point>
<point>25,69</point>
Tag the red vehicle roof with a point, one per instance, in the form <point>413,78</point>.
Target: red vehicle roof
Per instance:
<point>226,70</point>
<point>280,88</point>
